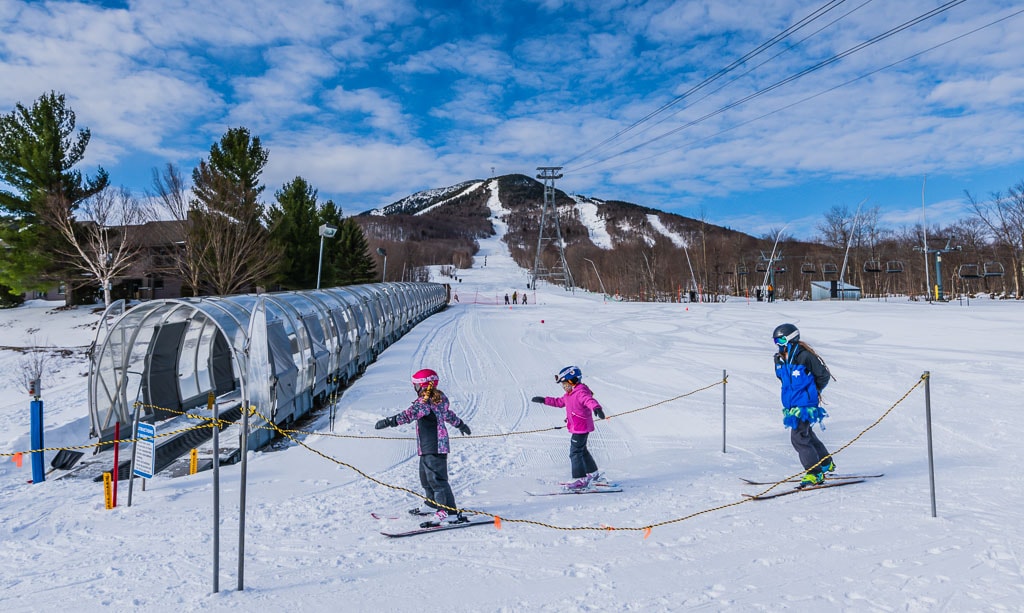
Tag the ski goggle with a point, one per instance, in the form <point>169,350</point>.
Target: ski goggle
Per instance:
<point>781,341</point>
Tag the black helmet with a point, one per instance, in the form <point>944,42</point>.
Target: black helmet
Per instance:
<point>786,334</point>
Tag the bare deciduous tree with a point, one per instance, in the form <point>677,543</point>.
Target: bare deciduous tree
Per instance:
<point>172,194</point>
<point>101,244</point>
<point>1003,215</point>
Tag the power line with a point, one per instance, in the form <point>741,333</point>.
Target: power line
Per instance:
<point>756,51</point>
<point>827,62</point>
<point>707,94</point>
<point>830,89</point>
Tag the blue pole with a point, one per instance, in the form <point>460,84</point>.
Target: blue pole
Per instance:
<point>36,436</point>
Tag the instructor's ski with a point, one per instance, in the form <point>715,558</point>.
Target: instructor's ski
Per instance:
<point>827,479</point>
<point>589,490</point>
<point>797,490</point>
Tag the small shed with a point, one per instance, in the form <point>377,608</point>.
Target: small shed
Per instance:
<point>834,290</point>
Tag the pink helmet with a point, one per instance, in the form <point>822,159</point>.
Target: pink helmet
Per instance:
<point>424,379</point>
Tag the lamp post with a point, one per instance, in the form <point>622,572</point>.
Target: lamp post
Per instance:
<point>325,231</point>
<point>383,252</point>
<point>598,277</point>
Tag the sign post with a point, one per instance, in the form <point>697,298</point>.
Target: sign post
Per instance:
<point>36,432</point>
<point>145,451</point>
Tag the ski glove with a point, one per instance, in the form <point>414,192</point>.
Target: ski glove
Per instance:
<point>387,422</point>
<point>537,399</point>
<point>599,413</point>
<point>464,429</point>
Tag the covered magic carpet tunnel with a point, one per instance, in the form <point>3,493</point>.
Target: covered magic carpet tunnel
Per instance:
<point>284,353</point>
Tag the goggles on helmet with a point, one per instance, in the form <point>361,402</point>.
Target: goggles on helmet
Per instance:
<point>781,341</point>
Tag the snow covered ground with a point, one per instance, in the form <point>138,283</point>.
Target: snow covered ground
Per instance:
<point>311,544</point>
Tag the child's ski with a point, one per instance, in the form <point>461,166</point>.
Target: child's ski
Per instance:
<point>827,479</point>
<point>484,521</point>
<point>589,490</point>
<point>797,490</point>
<point>594,484</point>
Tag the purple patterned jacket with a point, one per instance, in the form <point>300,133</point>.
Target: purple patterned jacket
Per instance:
<point>430,418</point>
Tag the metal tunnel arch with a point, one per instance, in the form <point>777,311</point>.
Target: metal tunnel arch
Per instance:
<point>170,354</point>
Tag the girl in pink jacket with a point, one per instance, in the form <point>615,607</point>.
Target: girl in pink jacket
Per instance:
<point>580,409</point>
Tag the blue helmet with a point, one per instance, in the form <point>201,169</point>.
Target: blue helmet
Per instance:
<point>786,334</point>
<point>573,374</point>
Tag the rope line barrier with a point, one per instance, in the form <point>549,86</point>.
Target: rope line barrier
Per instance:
<point>498,520</point>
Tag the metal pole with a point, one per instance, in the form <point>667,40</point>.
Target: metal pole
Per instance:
<point>725,384</point>
<point>384,273</point>
<point>320,262</point>
<point>598,278</point>
<point>241,497</point>
<point>928,424</point>
<point>135,446</point>
<point>212,404</point>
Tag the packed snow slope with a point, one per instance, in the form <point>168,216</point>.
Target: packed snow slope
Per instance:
<point>312,545</point>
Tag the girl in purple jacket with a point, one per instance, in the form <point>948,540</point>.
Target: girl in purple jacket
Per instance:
<point>580,409</point>
<point>430,411</point>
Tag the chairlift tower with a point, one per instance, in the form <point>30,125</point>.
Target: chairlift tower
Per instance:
<point>938,266</point>
<point>549,235</point>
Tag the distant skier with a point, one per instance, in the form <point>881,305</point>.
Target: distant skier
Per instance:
<point>580,409</point>
<point>524,297</point>
<point>506,297</point>
<point>430,411</point>
<point>803,375</point>
<point>515,298</point>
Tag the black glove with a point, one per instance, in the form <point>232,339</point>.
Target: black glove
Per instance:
<point>464,429</point>
<point>537,399</point>
<point>599,413</point>
<point>387,422</point>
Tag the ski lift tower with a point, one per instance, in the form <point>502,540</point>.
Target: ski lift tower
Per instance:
<point>938,266</point>
<point>549,217</point>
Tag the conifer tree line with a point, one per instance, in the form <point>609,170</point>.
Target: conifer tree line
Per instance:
<point>59,226</point>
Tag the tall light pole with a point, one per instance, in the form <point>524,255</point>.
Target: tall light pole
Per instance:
<point>383,252</point>
<point>598,277</point>
<point>326,231</point>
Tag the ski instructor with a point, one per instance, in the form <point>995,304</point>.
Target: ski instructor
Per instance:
<point>803,375</point>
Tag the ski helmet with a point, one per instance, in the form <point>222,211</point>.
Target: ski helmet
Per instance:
<point>786,334</point>
<point>572,374</point>
<point>424,379</point>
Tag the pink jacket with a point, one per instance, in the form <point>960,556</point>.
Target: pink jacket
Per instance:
<point>579,408</point>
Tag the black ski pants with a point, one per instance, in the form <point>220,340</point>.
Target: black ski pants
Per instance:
<point>582,461</point>
<point>807,445</point>
<point>434,479</point>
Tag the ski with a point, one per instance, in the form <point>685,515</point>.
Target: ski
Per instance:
<point>595,484</point>
<point>589,490</point>
<point>797,490</point>
<point>412,513</point>
<point>484,521</point>
<point>827,479</point>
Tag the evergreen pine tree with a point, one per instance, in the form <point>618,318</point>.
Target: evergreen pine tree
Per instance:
<point>353,264</point>
<point>294,227</point>
<point>38,150</point>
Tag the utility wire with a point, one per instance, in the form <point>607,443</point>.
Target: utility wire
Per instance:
<point>708,94</point>
<point>826,91</point>
<point>756,51</point>
<point>832,60</point>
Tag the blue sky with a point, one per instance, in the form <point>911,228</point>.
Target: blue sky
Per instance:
<point>372,100</point>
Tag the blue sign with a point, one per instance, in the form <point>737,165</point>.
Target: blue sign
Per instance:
<point>145,451</point>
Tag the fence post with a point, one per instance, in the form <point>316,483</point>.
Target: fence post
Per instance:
<point>725,384</point>
<point>927,376</point>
